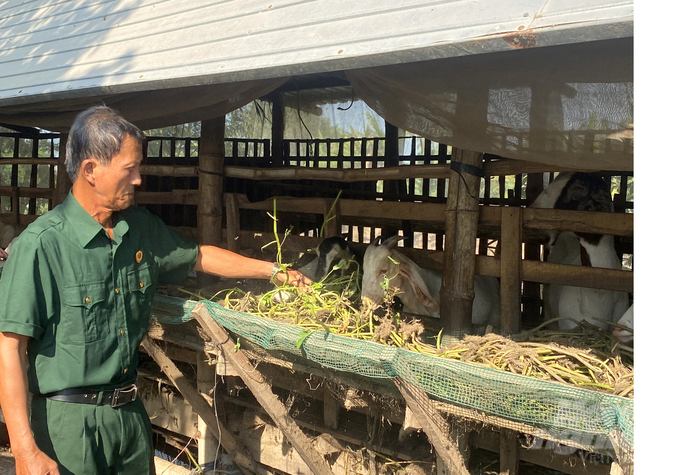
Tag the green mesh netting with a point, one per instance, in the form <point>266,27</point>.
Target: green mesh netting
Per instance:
<point>569,412</point>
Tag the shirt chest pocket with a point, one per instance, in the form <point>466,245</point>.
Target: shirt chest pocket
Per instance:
<point>85,313</point>
<point>141,291</point>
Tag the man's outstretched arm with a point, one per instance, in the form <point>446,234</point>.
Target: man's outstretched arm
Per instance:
<point>218,261</point>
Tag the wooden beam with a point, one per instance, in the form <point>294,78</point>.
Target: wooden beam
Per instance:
<point>433,424</point>
<point>511,269</point>
<point>200,406</point>
<point>262,391</point>
<point>399,172</point>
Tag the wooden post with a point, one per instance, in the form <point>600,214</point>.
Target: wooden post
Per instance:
<point>211,165</point>
<point>233,222</point>
<point>333,226</point>
<point>462,213</point>
<point>511,269</point>
<point>391,160</point>
<point>509,452</point>
<point>532,290</point>
<point>200,406</point>
<point>207,442</point>
<point>331,408</point>
<point>210,184</point>
<point>278,129</point>
<point>16,215</point>
<point>262,392</point>
<point>63,181</point>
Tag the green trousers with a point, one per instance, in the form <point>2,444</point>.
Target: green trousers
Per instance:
<point>86,439</point>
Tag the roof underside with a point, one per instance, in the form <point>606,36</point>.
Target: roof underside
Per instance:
<point>53,50</point>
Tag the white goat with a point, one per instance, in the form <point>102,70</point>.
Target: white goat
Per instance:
<point>583,192</point>
<point>627,320</point>
<point>419,288</point>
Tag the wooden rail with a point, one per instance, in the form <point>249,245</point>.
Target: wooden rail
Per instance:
<point>500,167</point>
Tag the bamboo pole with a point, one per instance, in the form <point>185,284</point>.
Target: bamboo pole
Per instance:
<point>462,212</point>
<point>397,172</point>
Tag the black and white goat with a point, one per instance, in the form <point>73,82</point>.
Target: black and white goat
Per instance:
<point>328,254</point>
<point>581,192</point>
<point>419,287</point>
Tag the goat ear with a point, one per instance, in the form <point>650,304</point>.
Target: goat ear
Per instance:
<point>376,241</point>
<point>391,242</point>
<point>418,284</point>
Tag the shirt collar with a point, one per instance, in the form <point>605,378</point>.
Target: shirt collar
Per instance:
<point>86,227</point>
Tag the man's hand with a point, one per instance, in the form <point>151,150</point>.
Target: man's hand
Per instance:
<point>295,278</point>
<point>3,254</point>
<point>34,462</point>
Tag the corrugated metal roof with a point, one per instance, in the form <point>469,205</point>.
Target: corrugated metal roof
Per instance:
<point>58,49</point>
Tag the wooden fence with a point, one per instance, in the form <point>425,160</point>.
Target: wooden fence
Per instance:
<point>397,188</point>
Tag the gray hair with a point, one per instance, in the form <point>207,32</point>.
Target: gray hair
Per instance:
<point>97,132</point>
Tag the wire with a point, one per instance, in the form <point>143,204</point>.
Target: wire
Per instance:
<point>350,104</point>
<point>300,116</point>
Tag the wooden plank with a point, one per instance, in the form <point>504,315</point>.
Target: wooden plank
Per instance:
<point>578,276</point>
<point>28,192</point>
<point>511,269</point>
<point>262,391</point>
<point>618,224</point>
<point>200,406</point>
<point>433,424</point>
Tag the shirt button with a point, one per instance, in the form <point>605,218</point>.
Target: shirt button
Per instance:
<point>117,290</point>
<point>124,370</point>
<point>141,284</point>
<point>88,300</point>
<point>122,331</point>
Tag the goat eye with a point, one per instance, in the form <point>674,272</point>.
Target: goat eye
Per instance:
<point>383,271</point>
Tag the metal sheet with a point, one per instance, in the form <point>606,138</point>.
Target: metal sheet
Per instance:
<point>57,49</point>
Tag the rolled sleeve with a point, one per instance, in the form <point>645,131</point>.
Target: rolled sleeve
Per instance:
<point>175,255</point>
<point>23,300</point>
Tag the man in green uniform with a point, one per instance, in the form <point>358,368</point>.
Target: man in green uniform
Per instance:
<point>75,296</point>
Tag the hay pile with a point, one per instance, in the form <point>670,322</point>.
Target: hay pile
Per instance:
<point>587,357</point>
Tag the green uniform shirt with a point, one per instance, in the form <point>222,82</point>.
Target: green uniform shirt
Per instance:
<point>84,299</point>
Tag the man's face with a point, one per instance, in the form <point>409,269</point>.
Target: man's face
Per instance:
<point>115,183</point>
